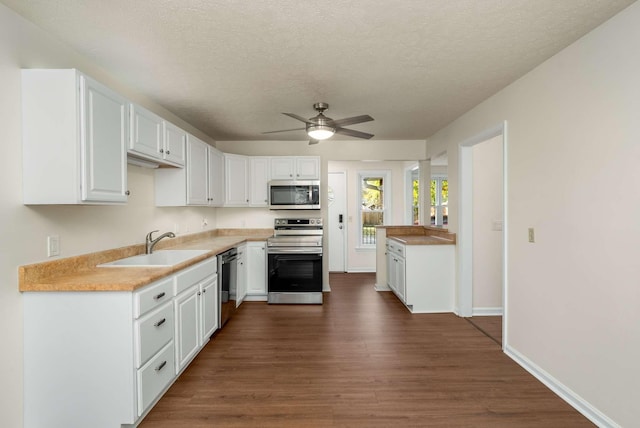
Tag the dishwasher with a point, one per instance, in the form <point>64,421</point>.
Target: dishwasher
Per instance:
<point>227,284</point>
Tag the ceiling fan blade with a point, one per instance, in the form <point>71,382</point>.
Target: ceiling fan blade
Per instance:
<point>284,130</point>
<point>353,133</point>
<point>312,141</point>
<point>295,116</point>
<point>352,120</point>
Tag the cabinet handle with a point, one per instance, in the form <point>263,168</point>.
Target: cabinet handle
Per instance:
<point>159,323</point>
<point>161,366</point>
<point>168,152</point>
<point>127,193</point>
<point>199,293</point>
<point>161,150</point>
<point>159,296</point>
<point>204,291</point>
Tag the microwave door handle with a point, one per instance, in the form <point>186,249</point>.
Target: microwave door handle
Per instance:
<point>310,193</point>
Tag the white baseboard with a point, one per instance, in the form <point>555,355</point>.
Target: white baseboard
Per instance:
<point>255,298</point>
<point>577,402</point>
<point>380,287</point>
<point>361,270</point>
<point>486,312</point>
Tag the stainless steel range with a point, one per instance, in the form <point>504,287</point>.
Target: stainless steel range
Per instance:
<point>295,261</point>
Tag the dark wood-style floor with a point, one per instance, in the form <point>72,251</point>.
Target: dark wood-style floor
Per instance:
<point>359,360</point>
<point>489,325</point>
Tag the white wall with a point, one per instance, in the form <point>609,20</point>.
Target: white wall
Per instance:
<point>487,241</point>
<point>82,229</point>
<point>573,145</point>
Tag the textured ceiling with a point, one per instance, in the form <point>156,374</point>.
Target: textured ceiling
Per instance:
<point>230,67</point>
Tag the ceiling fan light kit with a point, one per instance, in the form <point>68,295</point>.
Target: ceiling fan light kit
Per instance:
<point>321,127</point>
<point>320,132</point>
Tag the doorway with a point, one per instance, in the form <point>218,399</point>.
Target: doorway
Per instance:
<point>482,286</point>
<point>337,224</point>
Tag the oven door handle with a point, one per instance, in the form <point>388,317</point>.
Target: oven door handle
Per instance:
<point>281,250</point>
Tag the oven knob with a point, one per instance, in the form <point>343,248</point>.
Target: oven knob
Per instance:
<point>313,221</point>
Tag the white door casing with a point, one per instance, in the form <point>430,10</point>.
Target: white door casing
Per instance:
<point>337,203</point>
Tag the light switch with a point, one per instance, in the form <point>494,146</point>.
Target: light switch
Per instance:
<point>53,245</point>
<point>532,236</point>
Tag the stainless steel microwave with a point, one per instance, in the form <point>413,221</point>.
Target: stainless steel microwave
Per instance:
<point>294,195</point>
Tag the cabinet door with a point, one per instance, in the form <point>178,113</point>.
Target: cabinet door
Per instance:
<point>400,278</point>
<point>146,133</point>
<point>215,177</point>
<point>283,168</point>
<point>241,290</point>
<point>391,271</point>
<point>174,144</point>
<point>208,308</point>
<point>187,323</point>
<point>256,268</point>
<point>236,184</point>
<point>260,172</point>
<point>104,143</point>
<point>196,172</point>
<point>308,168</point>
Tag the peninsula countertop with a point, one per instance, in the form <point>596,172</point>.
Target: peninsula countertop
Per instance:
<point>81,273</point>
<point>420,235</point>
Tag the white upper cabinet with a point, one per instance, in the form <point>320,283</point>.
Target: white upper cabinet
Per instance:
<point>236,180</point>
<point>200,182</point>
<point>259,173</point>
<point>146,133</point>
<point>75,134</point>
<point>155,139</point>
<point>295,168</point>
<point>197,162</point>
<point>174,144</point>
<point>215,177</point>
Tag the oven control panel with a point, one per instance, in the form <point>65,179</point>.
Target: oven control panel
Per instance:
<point>298,222</point>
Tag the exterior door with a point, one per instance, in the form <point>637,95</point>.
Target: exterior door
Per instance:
<point>337,225</point>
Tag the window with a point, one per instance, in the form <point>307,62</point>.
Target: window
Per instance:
<point>439,201</point>
<point>373,204</point>
<point>415,199</point>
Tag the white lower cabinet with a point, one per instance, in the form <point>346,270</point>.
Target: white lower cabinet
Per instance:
<point>422,276</point>
<point>112,354</point>
<point>256,256</point>
<point>241,284</point>
<point>187,332</point>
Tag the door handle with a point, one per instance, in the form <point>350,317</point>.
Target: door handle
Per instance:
<point>339,218</point>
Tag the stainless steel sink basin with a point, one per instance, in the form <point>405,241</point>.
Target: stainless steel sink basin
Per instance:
<point>161,258</point>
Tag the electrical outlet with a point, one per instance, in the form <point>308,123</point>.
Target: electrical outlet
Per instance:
<point>53,245</point>
<point>205,223</point>
<point>532,236</point>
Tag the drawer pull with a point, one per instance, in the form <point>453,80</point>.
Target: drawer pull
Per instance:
<point>159,296</point>
<point>161,366</point>
<point>159,323</point>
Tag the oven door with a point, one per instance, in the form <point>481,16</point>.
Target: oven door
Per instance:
<point>294,271</point>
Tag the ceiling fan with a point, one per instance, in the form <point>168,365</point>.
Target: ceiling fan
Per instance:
<point>321,127</point>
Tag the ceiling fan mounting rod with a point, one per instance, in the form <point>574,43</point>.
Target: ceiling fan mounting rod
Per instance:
<point>321,107</point>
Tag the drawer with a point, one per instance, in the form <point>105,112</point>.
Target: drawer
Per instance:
<point>193,275</point>
<point>395,247</point>
<point>154,376</point>
<point>152,296</point>
<point>152,332</point>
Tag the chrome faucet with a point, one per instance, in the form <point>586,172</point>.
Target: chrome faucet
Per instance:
<point>150,242</point>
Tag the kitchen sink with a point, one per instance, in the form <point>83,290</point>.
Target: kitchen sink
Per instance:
<point>161,258</point>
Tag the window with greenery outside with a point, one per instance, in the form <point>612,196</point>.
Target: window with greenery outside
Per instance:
<point>372,208</point>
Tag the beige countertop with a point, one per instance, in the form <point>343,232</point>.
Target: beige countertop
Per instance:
<point>422,240</point>
<point>420,235</point>
<point>80,273</point>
